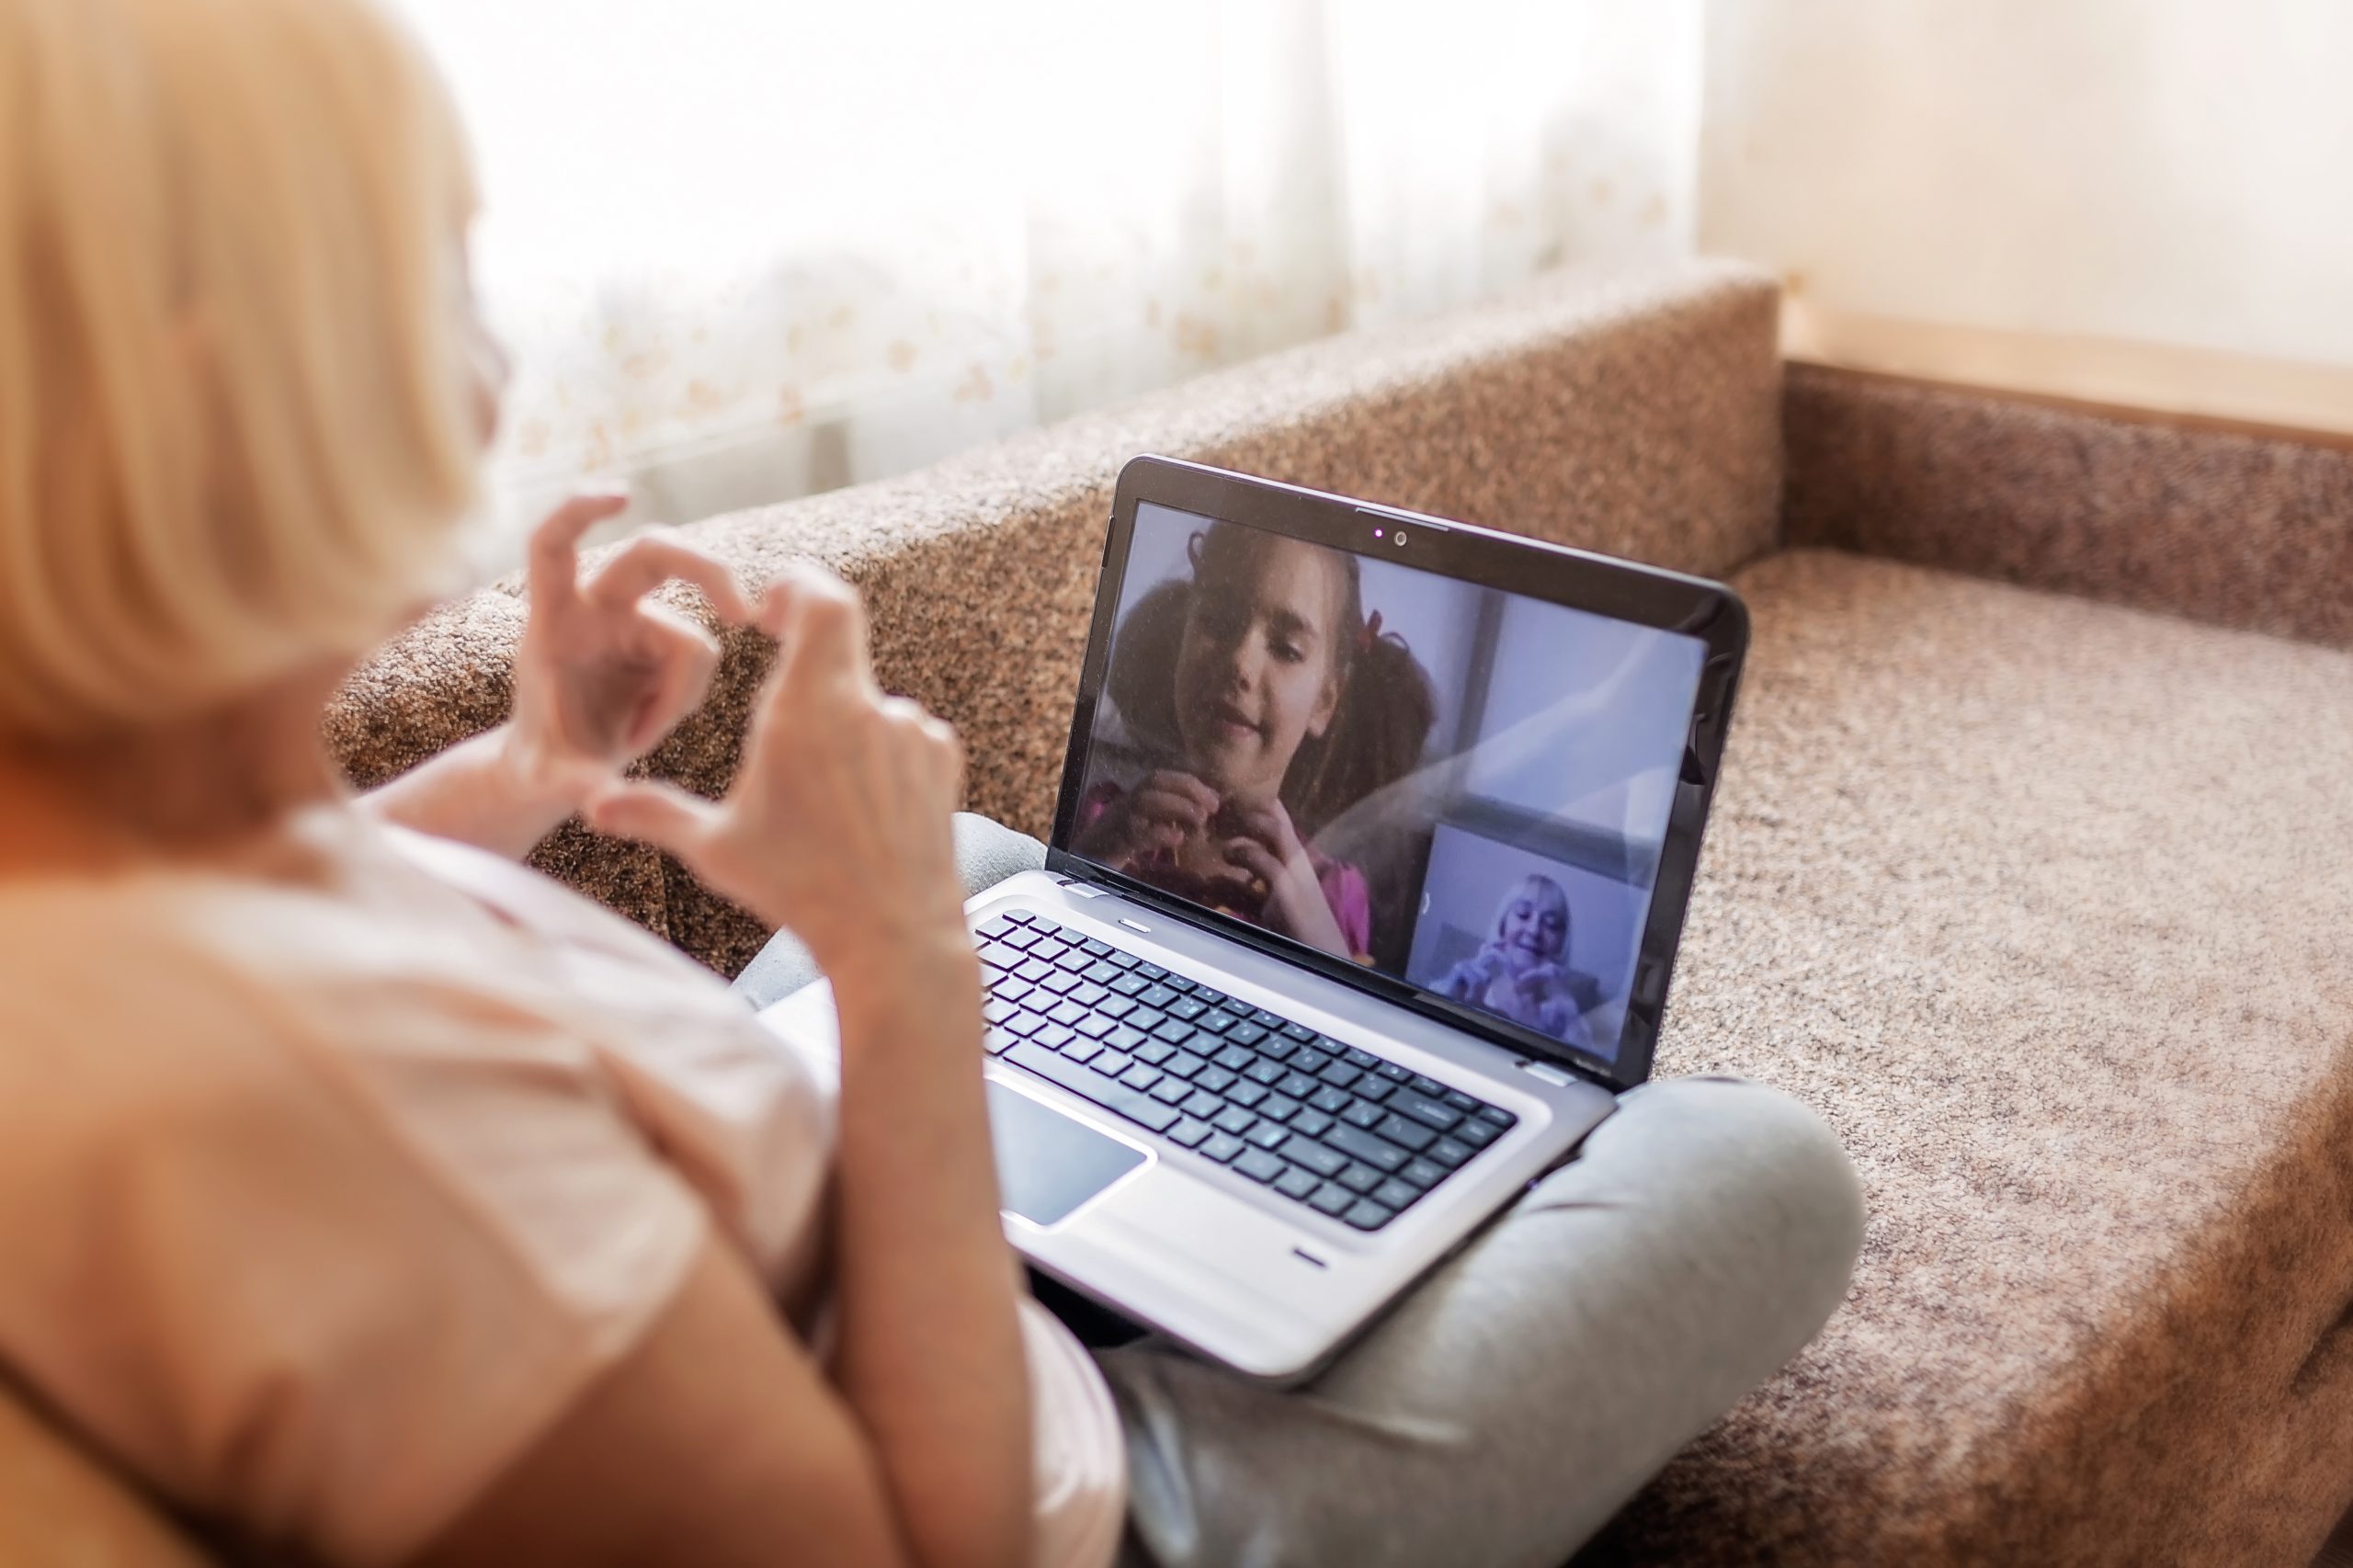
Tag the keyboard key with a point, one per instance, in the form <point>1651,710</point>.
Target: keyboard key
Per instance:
<point>1012,990</point>
<point>1189,1134</point>
<point>1246,1094</point>
<point>1125,1038</point>
<point>1234,1058</point>
<point>996,925</point>
<point>1307,1058</point>
<point>1411,1134</point>
<point>1273,1047</point>
<point>1024,1023</point>
<point>1201,1103</point>
<point>1362,1060</point>
<point>1114,1062</point>
<point>1331,1101</point>
<point>1146,1018</point>
<point>1035,970</point>
<point>1067,1012</point>
<point>1259,1166</point>
<point>998,956</point>
<point>1217,1021</point>
<point>1156,996</point>
<point>1447,1152</point>
<point>1187,1009</point>
<point>1095,946</point>
<point>1053,1036</point>
<point>1358,1144</point>
<point>1277,1108</point>
<point>1263,1018</point>
<point>1233,1119</point>
<point>1427,1086</point>
<point>1461,1101</point>
<point>1497,1114</point>
<point>1154,1050</point>
<point>1088,995</point>
<point>1299,1032</point>
<point>1367,1215</point>
<point>1268,1134</point>
<point>1395,1074</point>
<point>1241,1034</point>
<point>1422,1108</point>
<point>1177,983</point>
<point>1359,1179</point>
<point>1339,1074</point>
<point>1023,917</point>
<point>1061,982</point>
<point>1216,1080</point>
<point>1073,959</point>
<point>1359,1114</point>
<point>996,1042</point>
<point>1128,984</point>
<point>1175,1031</point>
<point>1152,971</point>
<point>1123,960</point>
<point>1208,997</point>
<point>1296,1185</point>
<point>1323,1162</point>
<point>1113,1006</point>
<point>1478,1134</point>
<point>1098,973</point>
<point>1299,1086</point>
<point>1396,1194</point>
<point>1374,1088</point>
<point>1094,1026</point>
<point>1182,1064</point>
<point>1090,1084</point>
<point>1221,1147</point>
<point>1267,1073</point>
<point>1421,1174</point>
<point>1169,1091</point>
<point>1311,1123</point>
<point>1332,1198</point>
<point>1140,1076</point>
<point>1078,1048</point>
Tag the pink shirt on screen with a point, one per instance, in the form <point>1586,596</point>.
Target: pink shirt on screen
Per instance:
<point>330,1176</point>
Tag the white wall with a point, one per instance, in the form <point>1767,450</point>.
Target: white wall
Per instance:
<point>2161,171</point>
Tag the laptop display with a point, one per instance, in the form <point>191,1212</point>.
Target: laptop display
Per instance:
<point>1464,788</point>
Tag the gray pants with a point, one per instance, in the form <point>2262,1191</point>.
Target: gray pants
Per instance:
<point>1517,1397</point>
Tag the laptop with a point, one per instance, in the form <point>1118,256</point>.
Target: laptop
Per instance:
<point>1363,894</point>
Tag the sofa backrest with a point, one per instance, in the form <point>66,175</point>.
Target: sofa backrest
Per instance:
<point>1636,414</point>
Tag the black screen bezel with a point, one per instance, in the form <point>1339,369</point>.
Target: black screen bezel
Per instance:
<point>1643,596</point>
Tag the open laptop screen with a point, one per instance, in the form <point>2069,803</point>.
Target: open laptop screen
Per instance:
<point>1461,787</point>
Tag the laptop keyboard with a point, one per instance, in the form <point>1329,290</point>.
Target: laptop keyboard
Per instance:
<point>1343,1133</point>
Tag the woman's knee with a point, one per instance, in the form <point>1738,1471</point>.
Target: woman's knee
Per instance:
<point>1762,1173</point>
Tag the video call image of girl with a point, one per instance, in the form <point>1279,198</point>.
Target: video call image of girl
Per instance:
<point>1270,702</point>
<point>1521,971</point>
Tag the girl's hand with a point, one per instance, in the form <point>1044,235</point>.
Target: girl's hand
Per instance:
<point>838,825</point>
<point>1268,847</point>
<point>1161,812</point>
<point>1536,983</point>
<point>603,676</point>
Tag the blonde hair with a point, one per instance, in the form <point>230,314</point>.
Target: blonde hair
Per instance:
<point>236,431</point>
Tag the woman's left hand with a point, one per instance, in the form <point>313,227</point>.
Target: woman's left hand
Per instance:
<point>1265,843</point>
<point>603,674</point>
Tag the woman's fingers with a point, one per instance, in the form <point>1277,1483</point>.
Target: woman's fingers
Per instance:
<point>687,656</point>
<point>660,815</point>
<point>553,563</point>
<point>647,561</point>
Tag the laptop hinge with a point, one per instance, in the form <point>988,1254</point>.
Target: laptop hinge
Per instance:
<point>1550,1074</point>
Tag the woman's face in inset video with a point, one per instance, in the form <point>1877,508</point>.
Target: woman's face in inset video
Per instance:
<point>1534,928</point>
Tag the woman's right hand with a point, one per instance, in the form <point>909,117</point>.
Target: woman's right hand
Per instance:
<point>1161,812</point>
<point>839,822</point>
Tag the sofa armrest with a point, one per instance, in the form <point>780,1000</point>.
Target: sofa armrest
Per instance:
<point>1637,414</point>
<point>2240,527</point>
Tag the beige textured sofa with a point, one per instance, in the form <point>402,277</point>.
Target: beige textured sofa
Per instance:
<point>2033,867</point>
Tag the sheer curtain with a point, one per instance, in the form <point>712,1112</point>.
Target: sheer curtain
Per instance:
<point>745,249</point>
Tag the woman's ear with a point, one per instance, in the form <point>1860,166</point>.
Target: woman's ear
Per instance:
<point>1328,703</point>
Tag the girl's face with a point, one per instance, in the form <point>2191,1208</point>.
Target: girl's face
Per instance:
<point>1535,926</point>
<point>1256,673</point>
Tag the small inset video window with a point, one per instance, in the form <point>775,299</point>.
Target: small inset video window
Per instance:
<point>1545,943</point>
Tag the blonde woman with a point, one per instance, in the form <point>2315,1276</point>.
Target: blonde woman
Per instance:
<point>366,1195</point>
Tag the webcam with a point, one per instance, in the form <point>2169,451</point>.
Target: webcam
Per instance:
<point>1399,537</point>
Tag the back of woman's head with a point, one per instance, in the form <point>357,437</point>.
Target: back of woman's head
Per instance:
<point>236,433</point>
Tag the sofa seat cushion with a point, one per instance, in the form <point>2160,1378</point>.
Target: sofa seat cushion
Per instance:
<point>2048,907</point>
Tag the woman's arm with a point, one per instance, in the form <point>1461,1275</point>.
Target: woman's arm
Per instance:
<point>600,677</point>
<point>840,826</point>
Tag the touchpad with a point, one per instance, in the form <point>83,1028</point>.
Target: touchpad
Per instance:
<point>1047,1164</point>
